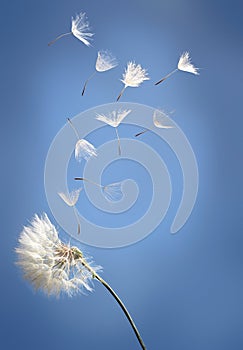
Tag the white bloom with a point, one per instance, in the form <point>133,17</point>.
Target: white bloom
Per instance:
<point>71,198</point>
<point>160,120</point>
<point>185,64</point>
<point>80,28</point>
<point>51,265</point>
<point>105,61</point>
<point>114,118</point>
<point>113,192</point>
<point>84,149</point>
<point>134,76</point>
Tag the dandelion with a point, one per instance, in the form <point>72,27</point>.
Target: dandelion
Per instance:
<point>79,28</point>
<point>71,199</point>
<point>114,119</point>
<point>160,120</point>
<point>83,148</point>
<point>112,192</point>
<point>184,64</point>
<point>104,62</point>
<point>134,76</point>
<point>58,268</point>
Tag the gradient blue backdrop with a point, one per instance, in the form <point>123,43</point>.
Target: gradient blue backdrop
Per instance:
<point>184,291</point>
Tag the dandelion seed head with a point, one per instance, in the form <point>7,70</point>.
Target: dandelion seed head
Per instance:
<point>134,75</point>
<point>71,198</point>
<point>114,118</point>
<point>84,149</point>
<point>185,64</point>
<point>105,61</point>
<point>80,28</point>
<point>161,119</point>
<point>49,264</point>
<point>113,192</point>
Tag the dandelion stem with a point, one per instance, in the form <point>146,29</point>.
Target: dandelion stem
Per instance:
<point>119,141</point>
<point>140,133</point>
<point>74,129</point>
<point>57,38</point>
<point>121,93</point>
<point>108,287</point>
<point>90,181</point>
<point>85,84</point>
<point>167,76</point>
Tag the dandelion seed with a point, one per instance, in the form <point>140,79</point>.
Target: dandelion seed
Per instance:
<point>58,268</point>
<point>79,28</point>
<point>112,192</point>
<point>160,120</point>
<point>83,148</point>
<point>105,61</point>
<point>114,119</point>
<point>71,199</point>
<point>134,76</point>
<point>184,64</point>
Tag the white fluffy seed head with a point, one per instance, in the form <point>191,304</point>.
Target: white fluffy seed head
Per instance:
<point>80,28</point>
<point>71,198</point>
<point>113,192</point>
<point>50,265</point>
<point>134,75</point>
<point>161,120</point>
<point>185,64</point>
<point>105,61</point>
<point>84,149</point>
<point>114,118</point>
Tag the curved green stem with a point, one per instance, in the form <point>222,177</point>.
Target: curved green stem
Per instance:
<point>112,292</point>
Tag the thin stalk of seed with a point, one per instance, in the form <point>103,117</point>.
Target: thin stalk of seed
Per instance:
<point>121,93</point>
<point>90,181</point>
<point>85,84</point>
<point>167,76</point>
<point>112,292</point>
<point>76,215</point>
<point>119,141</point>
<point>59,37</point>
<point>74,129</point>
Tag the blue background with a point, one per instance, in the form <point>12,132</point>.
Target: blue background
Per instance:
<point>184,291</point>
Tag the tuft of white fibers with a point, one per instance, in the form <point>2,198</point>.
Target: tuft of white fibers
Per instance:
<point>160,120</point>
<point>49,264</point>
<point>71,198</point>
<point>114,118</point>
<point>84,149</point>
<point>185,64</point>
<point>113,192</point>
<point>80,28</point>
<point>105,61</point>
<point>134,76</point>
